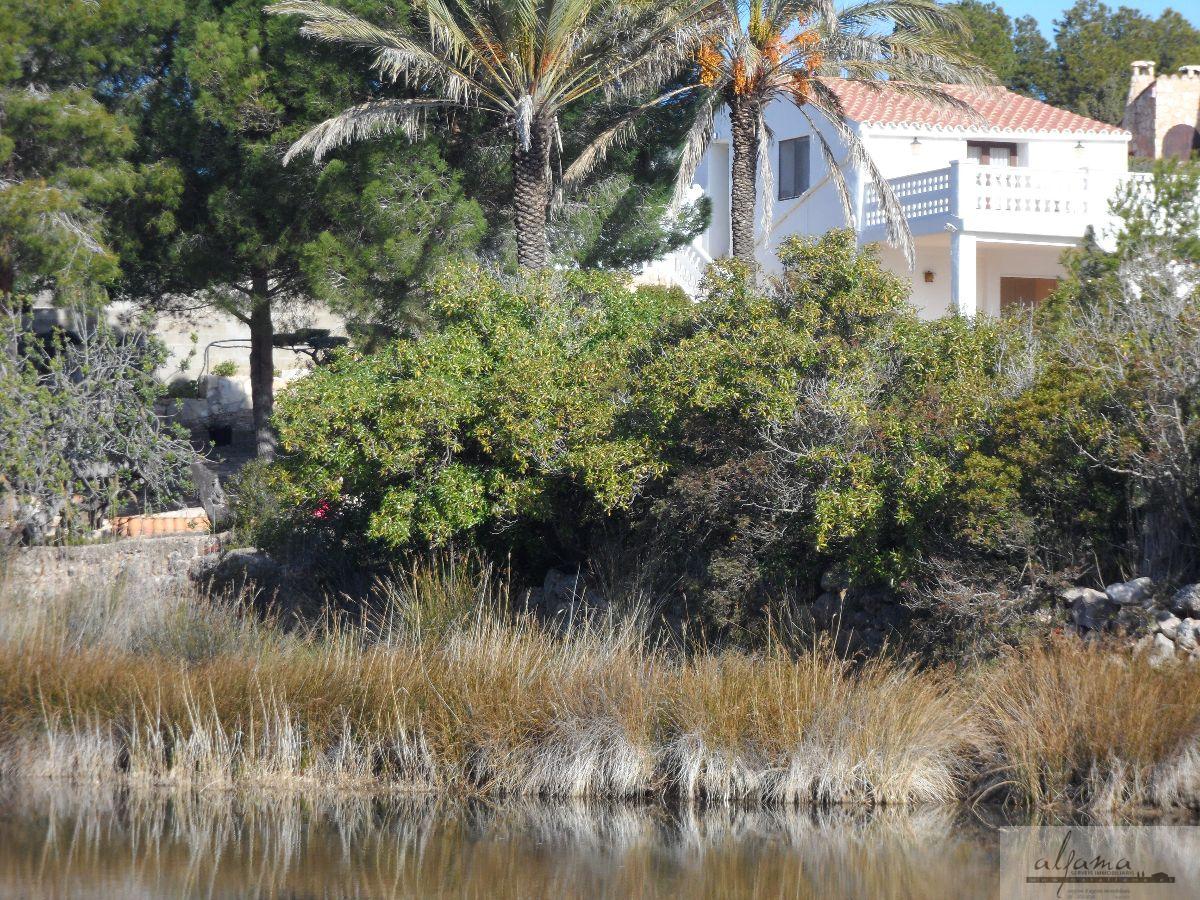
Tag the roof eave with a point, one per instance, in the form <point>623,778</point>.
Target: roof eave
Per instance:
<point>867,127</point>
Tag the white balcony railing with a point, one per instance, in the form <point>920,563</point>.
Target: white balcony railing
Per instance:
<point>923,194</point>
<point>1025,192</point>
<point>986,198</point>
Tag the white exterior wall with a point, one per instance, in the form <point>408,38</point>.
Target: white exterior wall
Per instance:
<point>895,154</point>
<point>931,299</point>
<point>816,211</point>
<point>210,327</point>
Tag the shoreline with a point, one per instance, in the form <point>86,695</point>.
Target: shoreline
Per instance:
<point>112,686</point>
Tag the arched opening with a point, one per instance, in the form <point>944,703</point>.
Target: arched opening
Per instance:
<point>1181,141</point>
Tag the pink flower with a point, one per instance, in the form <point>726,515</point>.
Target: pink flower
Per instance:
<point>323,510</point>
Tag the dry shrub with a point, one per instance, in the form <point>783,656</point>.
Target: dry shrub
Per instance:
<point>431,696</point>
<point>815,730</point>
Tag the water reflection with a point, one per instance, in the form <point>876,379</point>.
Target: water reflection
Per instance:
<point>67,843</point>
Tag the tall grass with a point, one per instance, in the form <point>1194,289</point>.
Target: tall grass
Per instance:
<point>1071,724</point>
<point>444,690</point>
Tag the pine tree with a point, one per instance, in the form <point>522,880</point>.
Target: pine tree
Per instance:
<point>256,236</point>
<point>74,204</point>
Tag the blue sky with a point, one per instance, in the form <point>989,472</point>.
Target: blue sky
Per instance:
<point>1046,12</point>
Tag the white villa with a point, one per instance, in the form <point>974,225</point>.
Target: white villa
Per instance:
<point>992,201</point>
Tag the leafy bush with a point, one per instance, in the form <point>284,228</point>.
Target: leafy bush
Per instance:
<point>1092,464</point>
<point>183,389</point>
<point>818,424</point>
<point>225,369</point>
<point>520,406</point>
<point>755,437</point>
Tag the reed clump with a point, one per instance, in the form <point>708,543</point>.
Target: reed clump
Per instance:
<point>446,690</point>
<point>1071,724</point>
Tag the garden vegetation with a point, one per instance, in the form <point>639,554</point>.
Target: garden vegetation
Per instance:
<point>713,468</point>
<point>737,452</point>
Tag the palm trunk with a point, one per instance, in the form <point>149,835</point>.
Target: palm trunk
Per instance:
<point>743,120</point>
<point>531,196</point>
<point>262,366</point>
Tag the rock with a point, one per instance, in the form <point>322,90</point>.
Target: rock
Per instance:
<point>1090,609</point>
<point>193,413</point>
<point>240,569</point>
<point>212,496</point>
<point>177,563</point>
<point>1131,620</point>
<point>1167,624</point>
<point>534,598</point>
<point>1188,635</point>
<point>1186,601</point>
<point>565,595</point>
<point>558,587</point>
<point>1071,595</point>
<point>1130,593</point>
<point>893,617</point>
<point>832,580</point>
<point>826,607</point>
<point>1162,649</point>
<point>227,394</point>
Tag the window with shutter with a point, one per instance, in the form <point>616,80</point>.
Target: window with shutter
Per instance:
<point>793,168</point>
<point>992,153</point>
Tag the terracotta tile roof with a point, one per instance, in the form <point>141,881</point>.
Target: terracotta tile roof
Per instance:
<point>1001,109</point>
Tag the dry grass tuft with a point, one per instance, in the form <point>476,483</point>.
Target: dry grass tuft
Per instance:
<point>1075,724</point>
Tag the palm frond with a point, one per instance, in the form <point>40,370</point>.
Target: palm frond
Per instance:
<point>328,23</point>
<point>834,165</point>
<point>397,55</point>
<point>916,15</point>
<point>898,233</point>
<point>365,121</point>
<point>695,145</point>
<point>592,155</point>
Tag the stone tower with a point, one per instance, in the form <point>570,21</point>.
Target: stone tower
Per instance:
<point>1163,112</point>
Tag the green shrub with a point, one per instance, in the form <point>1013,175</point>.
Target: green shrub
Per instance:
<point>183,389</point>
<point>225,369</point>
<point>734,451</point>
<point>750,439</point>
<point>817,424</point>
<point>520,406</point>
<point>1090,469</point>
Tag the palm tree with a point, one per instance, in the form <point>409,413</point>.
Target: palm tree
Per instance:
<point>521,60</point>
<point>769,49</point>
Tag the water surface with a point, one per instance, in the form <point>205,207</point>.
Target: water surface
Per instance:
<point>93,843</point>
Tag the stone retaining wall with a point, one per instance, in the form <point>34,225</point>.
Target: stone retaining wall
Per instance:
<point>149,562</point>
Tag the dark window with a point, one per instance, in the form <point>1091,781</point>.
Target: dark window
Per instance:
<point>793,168</point>
<point>992,153</point>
